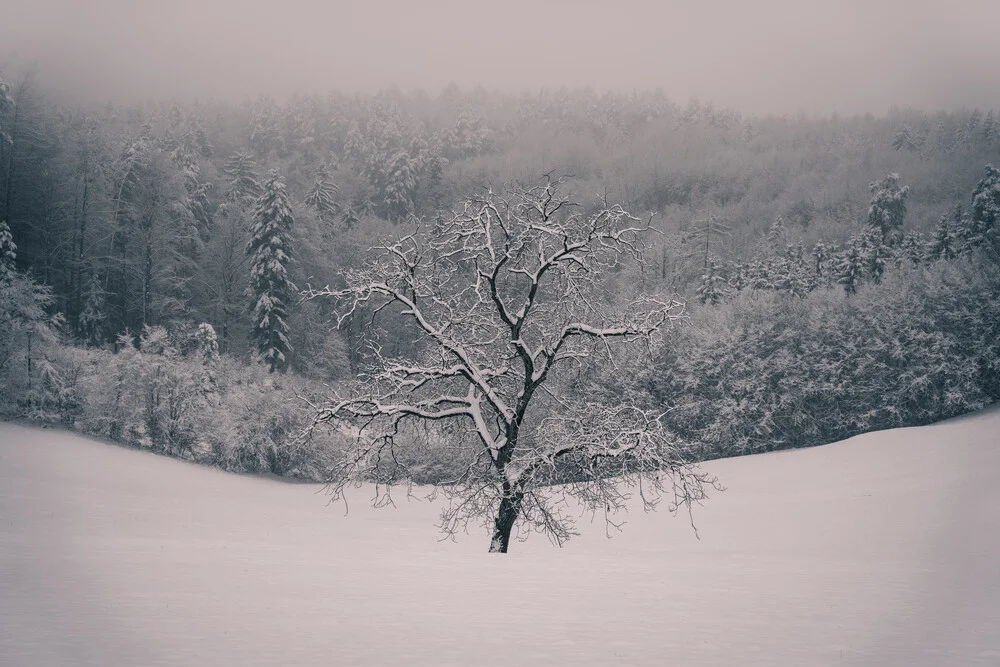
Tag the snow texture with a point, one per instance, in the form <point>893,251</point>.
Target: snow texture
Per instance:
<point>880,550</point>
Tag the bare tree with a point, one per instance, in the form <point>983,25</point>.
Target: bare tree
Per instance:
<point>501,297</point>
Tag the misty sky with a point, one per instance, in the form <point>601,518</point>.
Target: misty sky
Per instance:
<point>755,55</point>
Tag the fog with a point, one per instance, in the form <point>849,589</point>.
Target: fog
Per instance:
<point>847,56</point>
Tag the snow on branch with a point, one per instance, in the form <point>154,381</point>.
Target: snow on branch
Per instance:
<point>497,298</point>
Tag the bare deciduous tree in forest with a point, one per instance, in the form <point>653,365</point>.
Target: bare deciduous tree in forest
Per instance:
<point>505,299</point>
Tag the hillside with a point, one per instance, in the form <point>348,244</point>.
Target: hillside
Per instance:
<point>878,550</point>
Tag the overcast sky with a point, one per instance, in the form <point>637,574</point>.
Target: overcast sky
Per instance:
<point>755,55</point>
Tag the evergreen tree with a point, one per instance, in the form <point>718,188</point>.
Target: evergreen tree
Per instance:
<point>905,139</point>
<point>887,209</point>
<point>93,318</point>
<point>945,242</point>
<point>322,195</point>
<point>875,253</point>
<point>207,342</point>
<point>244,182</point>
<point>990,130</point>
<point>819,254</point>
<point>271,290</point>
<point>985,208</point>
<point>713,285</point>
<point>911,248</point>
<point>851,267</point>
<point>8,252</point>
<point>776,233</point>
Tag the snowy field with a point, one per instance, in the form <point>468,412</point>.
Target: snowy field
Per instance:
<point>881,550</point>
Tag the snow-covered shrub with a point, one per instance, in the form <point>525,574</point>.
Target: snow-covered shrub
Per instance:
<point>767,371</point>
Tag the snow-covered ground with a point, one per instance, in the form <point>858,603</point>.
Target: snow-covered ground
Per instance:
<point>881,550</point>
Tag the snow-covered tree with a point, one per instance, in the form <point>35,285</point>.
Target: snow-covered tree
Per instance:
<point>244,181</point>
<point>776,235</point>
<point>820,255</point>
<point>875,253</point>
<point>6,102</point>
<point>852,267</point>
<point>887,209</point>
<point>905,139</point>
<point>93,317</point>
<point>207,342</point>
<point>271,290</point>
<point>713,284</point>
<point>504,298</point>
<point>323,193</point>
<point>985,208</point>
<point>945,242</point>
<point>991,130</point>
<point>8,251</point>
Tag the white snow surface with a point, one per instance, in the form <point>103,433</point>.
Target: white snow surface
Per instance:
<point>880,550</point>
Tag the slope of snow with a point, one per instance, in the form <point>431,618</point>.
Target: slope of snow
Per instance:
<point>880,550</point>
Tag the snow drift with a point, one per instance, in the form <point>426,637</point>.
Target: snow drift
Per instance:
<point>879,550</point>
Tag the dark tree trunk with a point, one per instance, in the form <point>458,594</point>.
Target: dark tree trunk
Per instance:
<point>510,509</point>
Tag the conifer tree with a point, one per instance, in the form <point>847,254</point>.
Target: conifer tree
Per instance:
<point>985,208</point>
<point>8,252</point>
<point>322,195</point>
<point>819,255</point>
<point>713,285</point>
<point>93,318</point>
<point>874,254</point>
<point>945,242</point>
<point>271,290</point>
<point>888,208</point>
<point>851,267</point>
<point>244,182</point>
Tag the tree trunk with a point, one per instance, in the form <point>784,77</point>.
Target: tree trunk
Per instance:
<point>510,508</point>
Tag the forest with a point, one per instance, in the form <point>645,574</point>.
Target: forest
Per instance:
<point>837,274</point>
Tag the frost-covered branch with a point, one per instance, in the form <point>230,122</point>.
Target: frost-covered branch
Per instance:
<point>497,298</point>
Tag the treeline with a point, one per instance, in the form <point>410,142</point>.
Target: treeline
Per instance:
<point>141,216</point>
<point>168,392</point>
<point>154,257</point>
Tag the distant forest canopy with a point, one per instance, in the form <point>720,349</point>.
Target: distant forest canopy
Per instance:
<point>141,216</point>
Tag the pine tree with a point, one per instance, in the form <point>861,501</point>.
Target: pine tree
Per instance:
<point>244,181</point>
<point>944,244</point>
<point>776,233</point>
<point>271,290</point>
<point>985,208</point>
<point>851,267</point>
<point>8,253</point>
<point>875,254</point>
<point>990,130</point>
<point>911,249</point>
<point>207,343</point>
<point>713,285</point>
<point>93,318</point>
<point>888,208</point>
<point>905,139</point>
<point>819,254</point>
<point>322,195</point>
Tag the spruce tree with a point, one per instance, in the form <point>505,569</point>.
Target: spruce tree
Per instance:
<point>944,244</point>
<point>851,267</point>
<point>985,208</point>
<point>888,208</point>
<point>8,252</point>
<point>819,255</point>
<point>244,185</point>
<point>713,285</point>
<point>322,195</point>
<point>271,290</point>
<point>93,318</point>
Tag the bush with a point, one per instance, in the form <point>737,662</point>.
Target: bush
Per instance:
<point>770,371</point>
